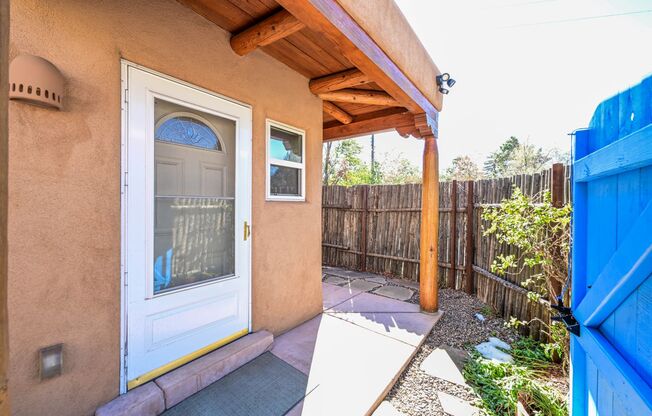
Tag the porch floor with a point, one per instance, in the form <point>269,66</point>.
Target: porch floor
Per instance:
<point>354,351</point>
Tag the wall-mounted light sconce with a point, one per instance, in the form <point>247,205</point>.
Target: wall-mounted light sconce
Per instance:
<point>50,361</point>
<point>36,81</point>
<point>442,79</point>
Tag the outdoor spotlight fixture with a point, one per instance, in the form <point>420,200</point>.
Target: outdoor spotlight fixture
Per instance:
<point>50,361</point>
<point>446,79</point>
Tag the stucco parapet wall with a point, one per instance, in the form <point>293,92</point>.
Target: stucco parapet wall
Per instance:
<point>387,26</point>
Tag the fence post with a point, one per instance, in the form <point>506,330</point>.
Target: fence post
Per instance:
<point>452,272</point>
<point>468,273</point>
<point>558,179</point>
<point>557,186</point>
<point>363,228</point>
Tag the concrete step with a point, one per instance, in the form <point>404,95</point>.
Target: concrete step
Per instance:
<point>164,392</point>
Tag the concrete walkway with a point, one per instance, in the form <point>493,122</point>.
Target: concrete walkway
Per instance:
<point>354,351</point>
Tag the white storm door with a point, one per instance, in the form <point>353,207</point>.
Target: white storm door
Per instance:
<point>187,205</point>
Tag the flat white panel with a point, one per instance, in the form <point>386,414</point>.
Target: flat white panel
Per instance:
<point>169,177</point>
<point>212,180</point>
<point>169,325</point>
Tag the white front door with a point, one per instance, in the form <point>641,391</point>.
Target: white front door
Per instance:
<point>187,203</point>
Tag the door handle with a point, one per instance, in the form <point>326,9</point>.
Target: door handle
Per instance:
<point>247,231</point>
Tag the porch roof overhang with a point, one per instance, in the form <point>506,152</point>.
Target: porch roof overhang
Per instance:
<point>362,58</point>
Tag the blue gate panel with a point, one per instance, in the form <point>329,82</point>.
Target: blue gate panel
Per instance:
<point>612,258</point>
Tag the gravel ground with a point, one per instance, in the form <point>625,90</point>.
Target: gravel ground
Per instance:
<point>415,393</point>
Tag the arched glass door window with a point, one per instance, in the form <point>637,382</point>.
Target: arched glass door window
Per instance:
<point>188,129</point>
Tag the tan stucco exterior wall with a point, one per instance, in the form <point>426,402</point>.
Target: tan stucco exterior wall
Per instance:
<point>64,189</point>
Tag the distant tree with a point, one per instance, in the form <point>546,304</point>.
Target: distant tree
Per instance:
<point>399,170</point>
<point>498,161</point>
<point>463,168</point>
<point>515,158</point>
<point>345,167</point>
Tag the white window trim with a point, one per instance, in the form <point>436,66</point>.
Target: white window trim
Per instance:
<point>268,161</point>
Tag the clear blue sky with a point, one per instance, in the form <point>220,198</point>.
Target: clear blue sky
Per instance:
<point>535,69</point>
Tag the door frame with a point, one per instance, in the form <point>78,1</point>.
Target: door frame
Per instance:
<point>246,204</point>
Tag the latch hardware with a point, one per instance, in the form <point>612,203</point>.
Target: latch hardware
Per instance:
<point>247,231</point>
<point>566,317</point>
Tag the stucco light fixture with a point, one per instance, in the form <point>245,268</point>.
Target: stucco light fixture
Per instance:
<point>50,361</point>
<point>36,81</point>
<point>442,79</point>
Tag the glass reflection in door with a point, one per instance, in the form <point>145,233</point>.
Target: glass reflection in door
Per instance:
<point>194,197</point>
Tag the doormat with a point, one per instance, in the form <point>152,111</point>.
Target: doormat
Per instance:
<point>265,386</point>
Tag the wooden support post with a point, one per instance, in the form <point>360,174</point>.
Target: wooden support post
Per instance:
<point>468,266</point>
<point>263,33</point>
<point>363,228</point>
<point>452,272</point>
<point>428,262</point>
<point>350,95</point>
<point>4,94</point>
<point>337,113</point>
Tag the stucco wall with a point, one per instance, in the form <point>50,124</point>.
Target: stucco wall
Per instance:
<point>64,190</point>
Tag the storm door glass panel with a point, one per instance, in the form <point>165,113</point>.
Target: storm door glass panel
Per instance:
<point>194,192</point>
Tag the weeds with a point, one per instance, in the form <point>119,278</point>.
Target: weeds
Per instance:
<point>501,385</point>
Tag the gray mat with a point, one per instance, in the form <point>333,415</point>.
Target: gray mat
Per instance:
<point>266,386</point>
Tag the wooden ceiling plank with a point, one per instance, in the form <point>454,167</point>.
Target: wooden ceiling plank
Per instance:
<point>368,126</point>
<point>294,57</point>
<point>350,95</point>
<point>310,48</point>
<point>346,79</point>
<point>328,17</point>
<point>337,113</point>
<point>224,14</point>
<point>265,32</point>
<point>318,39</point>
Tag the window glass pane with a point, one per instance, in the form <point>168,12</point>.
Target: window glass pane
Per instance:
<point>284,180</point>
<point>187,130</point>
<point>194,200</point>
<point>285,145</point>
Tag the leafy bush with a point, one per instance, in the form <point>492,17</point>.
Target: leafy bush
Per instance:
<point>501,385</point>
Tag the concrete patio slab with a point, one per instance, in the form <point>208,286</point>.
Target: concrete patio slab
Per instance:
<point>366,302</point>
<point>353,358</point>
<point>363,285</point>
<point>334,280</point>
<point>386,409</point>
<point>395,292</point>
<point>439,364</point>
<point>334,295</point>
<point>379,280</point>
<point>455,406</point>
<point>408,327</point>
<point>348,274</point>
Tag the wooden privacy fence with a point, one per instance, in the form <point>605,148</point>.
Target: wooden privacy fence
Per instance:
<point>375,228</point>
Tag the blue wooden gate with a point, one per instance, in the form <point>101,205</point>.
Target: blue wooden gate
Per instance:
<point>612,258</point>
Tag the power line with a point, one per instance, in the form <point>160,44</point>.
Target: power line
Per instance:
<point>577,19</point>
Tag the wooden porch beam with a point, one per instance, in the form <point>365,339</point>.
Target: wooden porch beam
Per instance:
<point>336,25</point>
<point>367,125</point>
<point>350,95</point>
<point>267,31</point>
<point>337,113</point>
<point>340,80</point>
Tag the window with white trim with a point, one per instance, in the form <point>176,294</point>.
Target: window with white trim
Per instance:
<point>286,164</point>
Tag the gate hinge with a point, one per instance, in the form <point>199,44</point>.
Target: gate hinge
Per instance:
<point>566,317</point>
